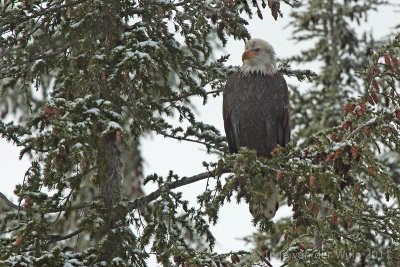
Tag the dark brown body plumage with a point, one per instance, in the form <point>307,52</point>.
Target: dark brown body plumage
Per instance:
<point>256,112</point>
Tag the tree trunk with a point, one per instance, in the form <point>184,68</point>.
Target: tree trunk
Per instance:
<point>110,189</point>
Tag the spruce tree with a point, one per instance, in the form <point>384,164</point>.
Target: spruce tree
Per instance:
<point>106,73</point>
<point>113,71</point>
<point>341,180</point>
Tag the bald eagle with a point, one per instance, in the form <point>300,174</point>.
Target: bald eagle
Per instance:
<point>256,111</point>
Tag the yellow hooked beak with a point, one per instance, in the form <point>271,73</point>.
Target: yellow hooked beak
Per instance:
<point>248,54</point>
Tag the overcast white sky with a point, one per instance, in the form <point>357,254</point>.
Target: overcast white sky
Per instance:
<point>185,159</point>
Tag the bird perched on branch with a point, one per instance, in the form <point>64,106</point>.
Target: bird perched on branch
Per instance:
<point>256,111</point>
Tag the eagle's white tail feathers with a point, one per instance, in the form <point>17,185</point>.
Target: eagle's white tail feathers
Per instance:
<point>268,205</point>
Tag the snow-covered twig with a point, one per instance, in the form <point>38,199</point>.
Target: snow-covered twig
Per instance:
<point>362,126</point>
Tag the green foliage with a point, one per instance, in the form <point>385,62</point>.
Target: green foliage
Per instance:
<point>338,180</point>
<point>112,71</point>
<point>104,73</point>
<point>340,51</point>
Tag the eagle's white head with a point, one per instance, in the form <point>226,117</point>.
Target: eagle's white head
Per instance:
<point>259,56</point>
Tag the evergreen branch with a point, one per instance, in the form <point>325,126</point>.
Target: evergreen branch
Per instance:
<point>8,202</point>
<point>186,95</point>
<point>40,56</point>
<point>180,3</point>
<point>141,11</point>
<point>295,3</point>
<point>69,208</point>
<point>58,209</point>
<point>361,127</point>
<point>184,181</point>
<point>300,74</point>
<point>53,53</point>
<point>40,13</point>
<point>181,138</point>
<point>264,166</point>
<point>55,238</point>
<point>308,73</point>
